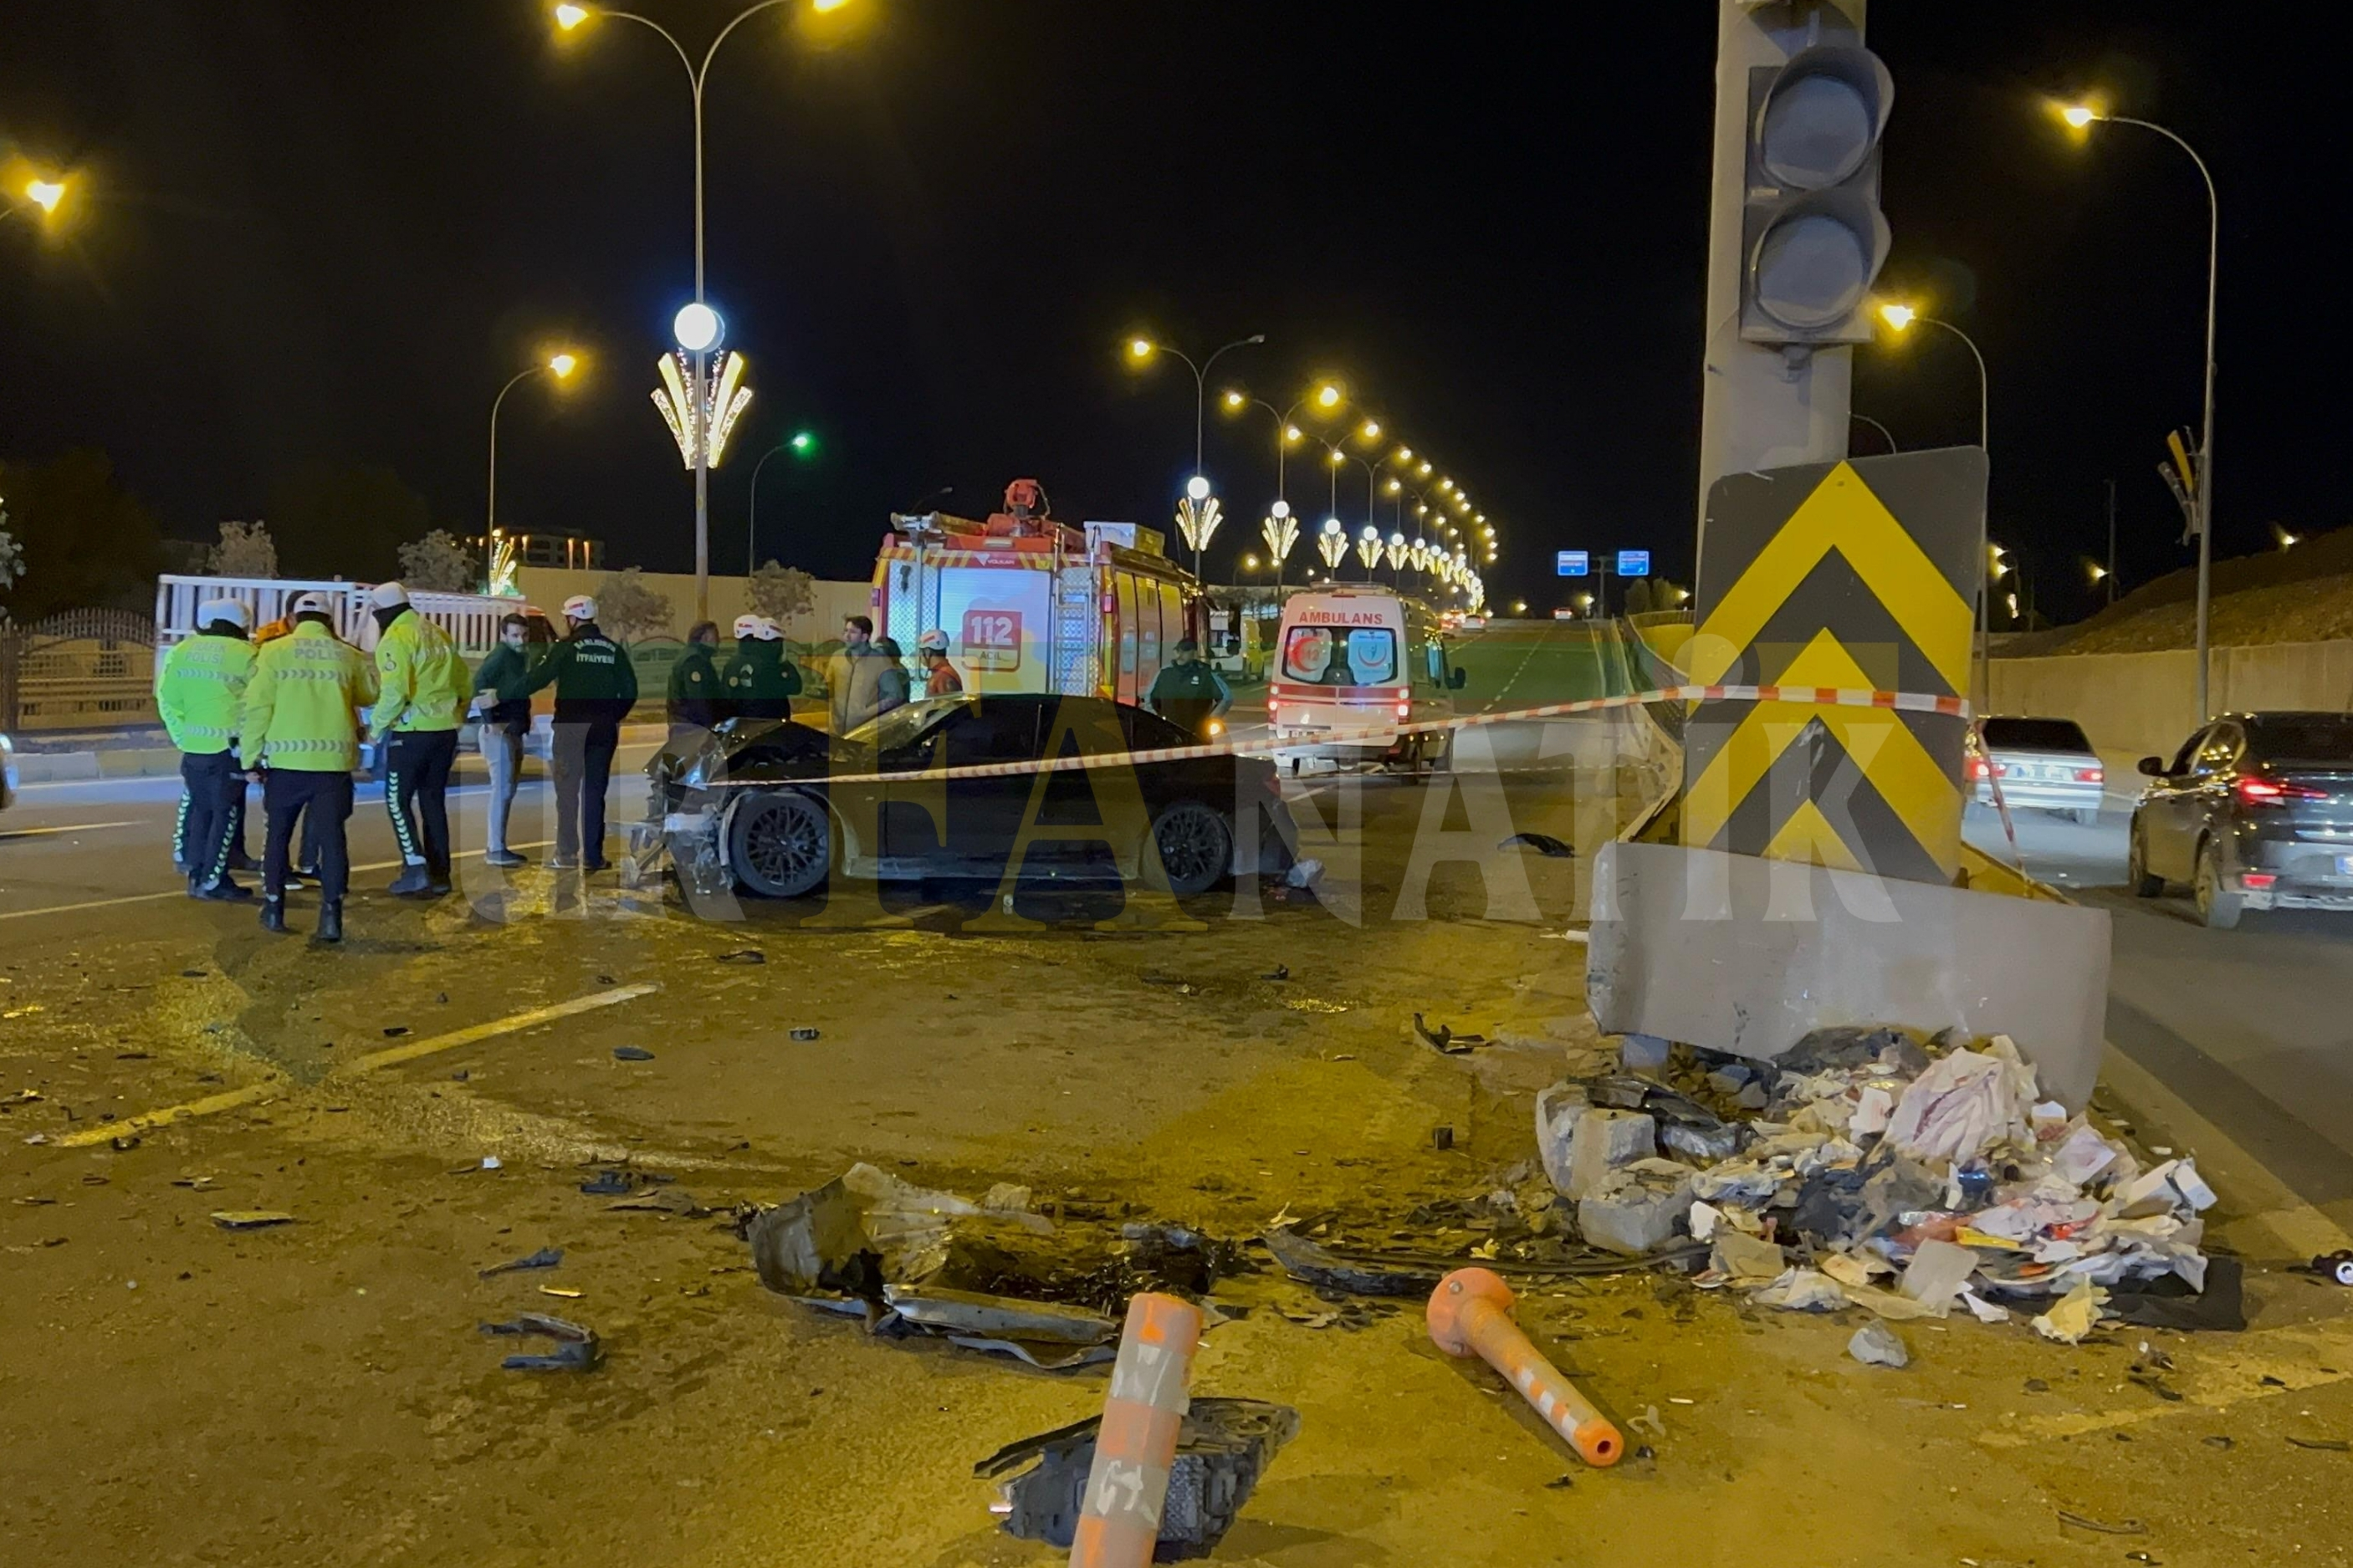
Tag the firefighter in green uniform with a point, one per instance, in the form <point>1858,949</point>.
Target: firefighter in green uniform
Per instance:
<point>422,699</point>
<point>1189,693</point>
<point>595,687</point>
<point>200,695</point>
<point>760,682</point>
<point>301,728</point>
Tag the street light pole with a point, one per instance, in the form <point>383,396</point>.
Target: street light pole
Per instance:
<point>2112,542</point>
<point>699,415</point>
<point>1144,348</point>
<point>559,366</point>
<point>2081,117</point>
<point>1900,317</point>
<point>751,526</point>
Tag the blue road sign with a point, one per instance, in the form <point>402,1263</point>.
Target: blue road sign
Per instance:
<point>1573,563</point>
<point>1633,564</point>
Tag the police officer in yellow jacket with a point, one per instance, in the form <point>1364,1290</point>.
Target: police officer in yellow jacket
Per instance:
<point>200,695</point>
<point>301,728</point>
<point>423,687</point>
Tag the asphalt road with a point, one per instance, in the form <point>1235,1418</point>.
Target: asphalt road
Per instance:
<point>427,1100</point>
<point>2254,1027</point>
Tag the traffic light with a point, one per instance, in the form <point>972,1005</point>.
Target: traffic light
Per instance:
<point>1812,236</point>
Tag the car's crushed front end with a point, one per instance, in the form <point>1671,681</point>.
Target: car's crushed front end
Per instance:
<point>689,794</point>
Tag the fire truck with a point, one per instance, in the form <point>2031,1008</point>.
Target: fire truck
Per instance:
<point>1030,603</point>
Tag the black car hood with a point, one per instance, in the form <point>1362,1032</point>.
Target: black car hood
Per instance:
<point>761,749</point>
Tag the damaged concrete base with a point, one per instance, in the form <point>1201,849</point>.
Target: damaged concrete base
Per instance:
<point>1750,956</point>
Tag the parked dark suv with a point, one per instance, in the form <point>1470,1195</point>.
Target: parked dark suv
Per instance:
<point>2255,812</point>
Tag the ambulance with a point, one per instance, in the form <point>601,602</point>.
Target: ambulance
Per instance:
<point>1030,603</point>
<point>1352,665</point>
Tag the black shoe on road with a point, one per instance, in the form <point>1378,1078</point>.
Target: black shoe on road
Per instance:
<point>331,923</point>
<point>239,860</point>
<point>595,864</point>
<point>504,860</point>
<point>273,915</point>
<point>223,891</point>
<point>411,882</point>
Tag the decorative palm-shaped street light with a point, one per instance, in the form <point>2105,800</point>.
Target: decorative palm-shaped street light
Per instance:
<point>1332,544</point>
<point>1279,529</point>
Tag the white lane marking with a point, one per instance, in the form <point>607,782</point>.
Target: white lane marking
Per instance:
<point>183,892</point>
<point>8,833</point>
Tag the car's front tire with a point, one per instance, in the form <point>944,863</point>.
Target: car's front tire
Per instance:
<point>1197,848</point>
<point>780,844</point>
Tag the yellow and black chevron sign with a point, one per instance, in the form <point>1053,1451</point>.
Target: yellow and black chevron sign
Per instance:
<point>1857,574</point>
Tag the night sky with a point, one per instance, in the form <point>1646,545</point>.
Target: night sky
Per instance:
<point>319,231</point>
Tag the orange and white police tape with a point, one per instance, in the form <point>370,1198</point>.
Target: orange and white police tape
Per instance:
<point>1471,1314</point>
<point>1813,696</point>
<point>1119,1519</point>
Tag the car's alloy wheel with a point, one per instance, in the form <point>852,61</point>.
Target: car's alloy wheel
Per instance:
<point>2218,908</point>
<point>1197,847</point>
<point>781,846</point>
<point>2136,876</point>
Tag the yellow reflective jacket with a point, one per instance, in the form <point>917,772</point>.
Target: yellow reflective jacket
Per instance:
<point>422,680</point>
<point>302,706</point>
<point>200,692</point>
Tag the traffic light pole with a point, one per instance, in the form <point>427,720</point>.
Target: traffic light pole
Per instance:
<point>1762,406</point>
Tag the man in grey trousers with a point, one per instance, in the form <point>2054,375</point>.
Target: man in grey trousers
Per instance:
<point>500,694</point>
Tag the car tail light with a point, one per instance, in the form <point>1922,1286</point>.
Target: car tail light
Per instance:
<point>2256,790</point>
<point>2256,881</point>
<point>1404,709</point>
<point>2091,775</point>
<point>1978,768</point>
<point>1272,691</point>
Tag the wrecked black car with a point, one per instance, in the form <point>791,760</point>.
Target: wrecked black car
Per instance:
<point>774,808</point>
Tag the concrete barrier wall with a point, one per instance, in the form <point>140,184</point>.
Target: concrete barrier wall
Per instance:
<point>2146,704</point>
<point>549,587</point>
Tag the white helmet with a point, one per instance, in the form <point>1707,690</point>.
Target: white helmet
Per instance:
<point>387,595</point>
<point>934,640</point>
<point>229,610</point>
<point>580,607</point>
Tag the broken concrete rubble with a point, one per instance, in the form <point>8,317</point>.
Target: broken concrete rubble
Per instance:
<point>1605,1140</point>
<point>1909,1173</point>
<point>1637,1208</point>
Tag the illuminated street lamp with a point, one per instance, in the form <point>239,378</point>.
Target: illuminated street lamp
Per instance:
<point>2080,118</point>
<point>701,443</point>
<point>1141,349</point>
<point>1279,529</point>
<point>560,366</point>
<point>1333,543</point>
<point>1286,435</point>
<point>1899,318</point>
<point>801,444</point>
<point>1368,549</point>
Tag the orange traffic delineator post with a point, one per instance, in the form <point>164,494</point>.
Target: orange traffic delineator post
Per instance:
<point>1471,1314</point>
<point>1119,1521</point>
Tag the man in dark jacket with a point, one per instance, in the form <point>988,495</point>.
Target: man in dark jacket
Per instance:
<point>761,681</point>
<point>1189,693</point>
<point>503,690</point>
<point>696,701</point>
<point>595,687</point>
